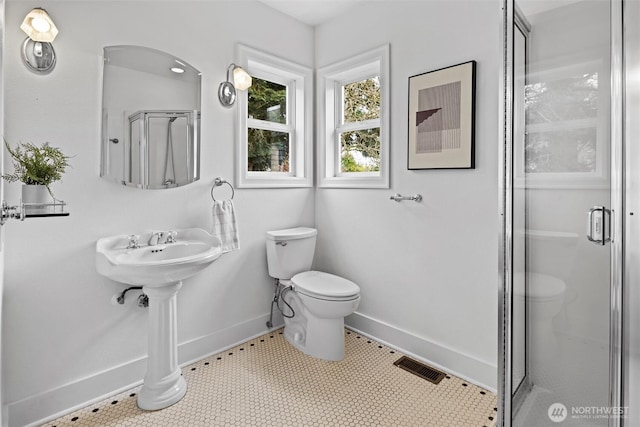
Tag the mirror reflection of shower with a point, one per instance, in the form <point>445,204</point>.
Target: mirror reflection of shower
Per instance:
<point>159,150</point>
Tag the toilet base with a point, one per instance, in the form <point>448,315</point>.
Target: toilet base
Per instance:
<point>324,338</point>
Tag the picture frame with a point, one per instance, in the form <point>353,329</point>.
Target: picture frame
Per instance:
<point>441,121</point>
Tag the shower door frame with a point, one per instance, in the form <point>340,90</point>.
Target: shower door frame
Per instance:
<point>506,174</point>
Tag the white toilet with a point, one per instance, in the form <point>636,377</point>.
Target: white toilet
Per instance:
<point>320,301</point>
<point>551,256</point>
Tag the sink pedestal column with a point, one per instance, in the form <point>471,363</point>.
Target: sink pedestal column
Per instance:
<point>163,384</point>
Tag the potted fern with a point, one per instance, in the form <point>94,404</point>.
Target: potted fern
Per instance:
<point>37,167</point>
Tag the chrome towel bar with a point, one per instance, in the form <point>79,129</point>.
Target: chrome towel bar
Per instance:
<point>399,197</point>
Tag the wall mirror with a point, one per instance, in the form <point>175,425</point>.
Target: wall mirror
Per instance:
<point>150,118</point>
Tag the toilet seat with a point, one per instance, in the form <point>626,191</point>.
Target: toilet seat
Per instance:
<point>317,284</point>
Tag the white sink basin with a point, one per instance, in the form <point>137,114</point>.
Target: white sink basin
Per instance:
<point>159,264</point>
<point>159,269</point>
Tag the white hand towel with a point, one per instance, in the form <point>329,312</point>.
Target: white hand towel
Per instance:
<point>225,226</point>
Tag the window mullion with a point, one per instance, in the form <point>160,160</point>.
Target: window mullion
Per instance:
<point>266,125</point>
<point>354,126</point>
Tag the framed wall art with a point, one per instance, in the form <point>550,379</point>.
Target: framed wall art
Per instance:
<point>442,118</point>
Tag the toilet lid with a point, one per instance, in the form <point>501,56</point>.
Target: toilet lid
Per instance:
<point>323,285</point>
<point>291,234</point>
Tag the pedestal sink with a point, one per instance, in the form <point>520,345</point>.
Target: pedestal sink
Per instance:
<point>159,268</point>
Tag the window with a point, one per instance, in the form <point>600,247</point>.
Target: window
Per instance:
<point>268,132</point>
<point>353,142</point>
<point>275,129</point>
<point>358,129</point>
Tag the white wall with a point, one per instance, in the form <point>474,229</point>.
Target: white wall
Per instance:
<point>428,272</point>
<point>64,342</point>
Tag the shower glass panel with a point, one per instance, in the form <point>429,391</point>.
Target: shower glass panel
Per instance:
<point>560,281</point>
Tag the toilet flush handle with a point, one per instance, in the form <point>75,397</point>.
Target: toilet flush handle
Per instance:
<point>283,244</point>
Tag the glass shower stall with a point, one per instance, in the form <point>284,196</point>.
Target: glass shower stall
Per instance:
<point>568,295</point>
<point>161,149</point>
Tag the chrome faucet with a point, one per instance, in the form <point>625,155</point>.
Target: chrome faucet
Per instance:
<point>133,241</point>
<point>171,236</point>
<point>155,238</point>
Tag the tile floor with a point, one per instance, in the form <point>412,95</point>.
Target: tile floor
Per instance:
<point>267,382</point>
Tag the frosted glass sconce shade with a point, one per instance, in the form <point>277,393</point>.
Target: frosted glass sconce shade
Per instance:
<point>39,26</point>
<point>241,79</point>
<point>227,90</point>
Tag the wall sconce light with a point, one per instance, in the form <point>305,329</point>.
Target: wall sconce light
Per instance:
<point>37,51</point>
<point>227,90</point>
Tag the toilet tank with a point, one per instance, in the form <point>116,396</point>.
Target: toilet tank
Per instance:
<point>551,252</point>
<point>290,251</point>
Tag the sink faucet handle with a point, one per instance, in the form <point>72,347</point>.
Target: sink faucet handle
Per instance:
<point>171,236</point>
<point>133,241</point>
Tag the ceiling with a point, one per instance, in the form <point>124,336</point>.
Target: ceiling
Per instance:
<point>312,12</point>
<point>537,6</point>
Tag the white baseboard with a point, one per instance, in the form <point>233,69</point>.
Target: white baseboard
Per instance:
<point>52,404</point>
<point>472,369</point>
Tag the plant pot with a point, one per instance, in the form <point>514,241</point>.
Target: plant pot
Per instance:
<point>36,195</point>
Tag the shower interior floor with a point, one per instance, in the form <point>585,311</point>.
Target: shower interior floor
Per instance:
<point>535,408</point>
<point>267,382</point>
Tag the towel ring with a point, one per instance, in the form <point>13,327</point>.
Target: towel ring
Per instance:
<point>217,183</point>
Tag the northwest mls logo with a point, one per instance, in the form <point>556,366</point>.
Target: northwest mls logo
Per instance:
<point>557,412</point>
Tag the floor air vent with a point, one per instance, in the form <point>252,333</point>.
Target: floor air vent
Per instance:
<point>420,369</point>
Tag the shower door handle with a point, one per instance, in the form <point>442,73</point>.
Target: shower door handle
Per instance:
<point>599,225</point>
